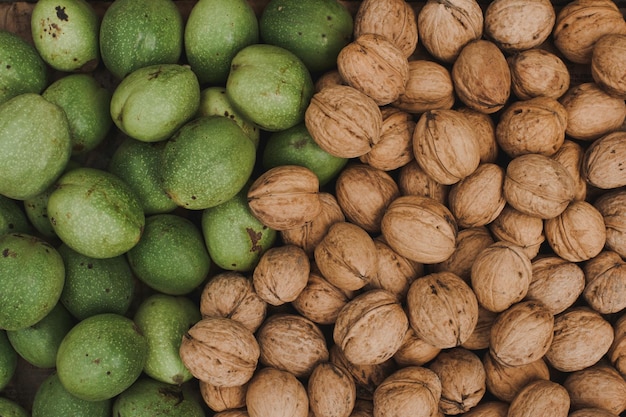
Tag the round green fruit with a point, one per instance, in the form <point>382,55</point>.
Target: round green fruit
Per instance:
<point>22,70</point>
<point>101,357</point>
<point>12,217</point>
<point>314,30</point>
<point>269,86</point>
<point>8,360</point>
<point>52,400</point>
<point>9,408</point>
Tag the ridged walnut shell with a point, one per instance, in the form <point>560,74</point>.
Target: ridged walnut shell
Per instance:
<point>332,391</point>
<point>599,386</point>
<point>429,87</point>
<point>612,206</point>
<point>223,398</point>
<point>605,289</point>
<point>538,72</point>
<point>479,339</point>
<point>592,412</point>
<point>617,352</point>
<point>489,409</point>
<point>370,328</point>
<point>504,382</point>
<point>571,155</point>
<point>607,63</point>
<point>276,393</point>
<point>413,180</point>
<point>343,121</point>
<point>412,390</point>
<point>556,282</point>
<point>220,351</point>
<point>414,351</point>
<point>281,274</point>
<point>469,243</point>
<point>285,197</point>
<point>540,398</point>
<point>485,128</point>
<point>603,163</point>
<point>521,229</point>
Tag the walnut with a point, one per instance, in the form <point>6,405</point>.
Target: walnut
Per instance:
<point>504,382</point>
<point>617,351</point>
<point>556,282</point>
<point>223,398</point>
<point>330,78</point>
<point>599,386</point>
<point>612,206</point>
<point>607,63</point>
<point>605,276</point>
<point>463,23</point>
<point>480,337</point>
<point>485,129</point>
<point>276,393</point>
<point>281,274</point>
<point>469,243</point>
<point>592,412</point>
<point>363,408</point>
<point>489,409</point>
<point>239,412</point>
<point>413,180</point>
<point>571,155</point>
<point>429,87</point>
<point>540,398</point>
<point>521,229</point>
<point>538,72</point>
<point>481,76</point>
<point>332,391</point>
<point>412,390</point>
<point>414,351</point>
<point>603,163</point>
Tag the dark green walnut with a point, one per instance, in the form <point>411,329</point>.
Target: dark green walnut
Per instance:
<point>314,30</point>
<point>36,145</point>
<point>139,33</point>
<point>101,357</point>
<point>8,360</point>
<point>9,408</point>
<point>95,213</point>
<point>12,217</point>
<point>164,319</point>
<point>32,274</point>
<point>94,286</point>
<point>52,400</point>
<point>170,257</point>
<point>39,343</point>
<point>22,70</point>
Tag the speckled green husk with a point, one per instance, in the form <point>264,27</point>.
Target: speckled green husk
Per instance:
<point>32,274</point>
<point>23,70</point>
<point>9,408</point>
<point>53,400</point>
<point>8,360</point>
<point>101,357</point>
<point>12,218</point>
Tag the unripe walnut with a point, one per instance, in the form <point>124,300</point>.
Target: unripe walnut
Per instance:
<point>599,386</point>
<point>556,282</point>
<point>504,382</point>
<point>604,159</point>
<point>429,87</point>
<point>521,229</point>
<point>605,275</point>
<point>612,206</point>
<point>540,398</point>
<point>607,62</point>
<point>537,72</point>
<point>281,274</point>
<point>412,390</point>
<point>413,180</point>
<point>276,393</point>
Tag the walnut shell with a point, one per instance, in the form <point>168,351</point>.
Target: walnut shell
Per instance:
<point>581,338</point>
<point>599,386</point>
<point>332,391</point>
<point>276,393</point>
<point>605,276</point>
<point>463,20</point>
<point>571,155</point>
<point>500,276</point>
<point>579,25</point>
<point>617,351</point>
<point>343,121</point>
<point>607,63</point>
<point>538,186</point>
<point>591,112</point>
<point>469,211</point>
<point>291,343</point>
<point>420,229</point>
<point>592,412</point>
<point>413,180</point>
<point>281,274</point>
<point>603,163</point>
<point>442,309</point>
<point>220,351</point>
<point>412,390</point>
<point>504,382</point>
<point>481,76</point>
<point>445,145</point>
<point>328,79</point>
<point>363,408</point>
<point>469,243</point>
<point>521,229</point>
<point>232,413</point>
<point>516,25</point>
<point>231,295</point>
<point>462,379</point>
<point>394,148</point>
<point>536,125</point>
<point>394,19</point>
<point>521,334</point>
<point>223,398</point>
<point>285,197</point>
<point>363,193</point>
<point>346,256</point>
<point>538,72</point>
<point>540,398</point>
<point>480,337</point>
<point>612,206</point>
<point>485,129</point>
<point>556,282</point>
<point>489,409</point>
<point>374,65</point>
<point>429,87</point>
<point>414,351</point>
<point>370,328</point>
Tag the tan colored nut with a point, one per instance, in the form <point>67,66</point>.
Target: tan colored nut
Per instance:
<point>485,129</point>
<point>612,206</point>
<point>413,180</point>
<point>291,343</point>
<point>445,145</point>
<point>363,193</point>
<point>538,186</point>
<point>556,282</point>
<point>608,59</point>
<point>232,413</point>
<point>285,197</point>
<point>521,229</point>
<point>462,379</point>
<point>517,25</point>
<point>463,20</point>
<point>394,148</point>
<point>346,256</point>
<point>343,121</point>
<point>220,351</point>
<point>420,229</point>
<point>231,295</point>
<point>223,398</point>
<point>276,393</point>
<point>599,386</point>
<point>394,19</point>
<point>442,309</point>
<point>371,327</point>
<point>571,155</point>
<point>481,76</point>
<point>591,112</point>
<point>537,72</point>
<point>469,211</point>
<point>310,234</point>
<point>469,243</point>
<point>521,334</point>
<point>617,352</point>
<point>374,65</point>
<point>414,351</point>
<point>579,25</point>
<point>489,409</point>
<point>592,412</point>
<point>332,391</point>
<point>363,408</point>
<point>329,79</point>
<point>500,276</point>
<point>412,390</point>
<point>480,337</point>
<point>540,398</point>
<point>504,382</point>
<point>429,87</point>
<point>603,163</point>
<point>581,338</point>
<point>281,274</point>
<point>536,125</point>
<point>605,276</point>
